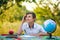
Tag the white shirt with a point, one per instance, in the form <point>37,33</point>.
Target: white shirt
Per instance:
<point>35,30</point>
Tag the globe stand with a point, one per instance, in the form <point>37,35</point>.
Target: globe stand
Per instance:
<point>50,36</point>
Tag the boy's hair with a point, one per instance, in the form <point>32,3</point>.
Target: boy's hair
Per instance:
<point>33,14</point>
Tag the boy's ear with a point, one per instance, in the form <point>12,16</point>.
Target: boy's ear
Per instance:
<point>24,17</point>
<point>34,19</point>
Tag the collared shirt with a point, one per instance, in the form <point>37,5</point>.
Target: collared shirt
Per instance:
<point>35,30</point>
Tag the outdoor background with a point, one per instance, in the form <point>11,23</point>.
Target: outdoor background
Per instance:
<point>12,11</point>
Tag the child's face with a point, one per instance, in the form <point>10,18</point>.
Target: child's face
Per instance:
<point>29,18</point>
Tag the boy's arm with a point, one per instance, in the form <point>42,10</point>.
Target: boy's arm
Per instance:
<point>20,28</point>
<point>40,34</point>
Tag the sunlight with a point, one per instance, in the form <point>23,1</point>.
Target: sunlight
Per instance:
<point>32,5</point>
<point>29,6</point>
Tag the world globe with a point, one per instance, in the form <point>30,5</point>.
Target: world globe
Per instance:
<point>49,26</point>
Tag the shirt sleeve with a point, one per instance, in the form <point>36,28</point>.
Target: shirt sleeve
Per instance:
<point>24,26</point>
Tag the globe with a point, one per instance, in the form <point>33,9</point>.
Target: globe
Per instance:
<point>49,26</point>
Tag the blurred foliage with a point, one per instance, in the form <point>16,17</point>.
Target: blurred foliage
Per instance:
<point>11,13</point>
<point>46,12</point>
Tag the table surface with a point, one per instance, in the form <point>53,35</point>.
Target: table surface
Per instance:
<point>26,37</point>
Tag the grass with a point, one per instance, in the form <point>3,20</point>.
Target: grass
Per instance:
<point>6,26</point>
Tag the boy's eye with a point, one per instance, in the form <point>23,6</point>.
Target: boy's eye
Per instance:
<point>29,16</point>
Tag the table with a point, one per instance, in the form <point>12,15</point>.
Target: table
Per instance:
<point>27,37</point>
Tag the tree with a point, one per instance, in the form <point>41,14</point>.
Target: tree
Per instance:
<point>11,10</point>
<point>49,11</point>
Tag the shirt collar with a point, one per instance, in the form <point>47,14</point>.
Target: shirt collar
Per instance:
<point>34,26</point>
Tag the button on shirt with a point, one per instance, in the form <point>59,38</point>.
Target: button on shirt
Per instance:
<point>34,30</point>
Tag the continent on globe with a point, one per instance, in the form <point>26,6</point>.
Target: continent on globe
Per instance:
<point>49,26</point>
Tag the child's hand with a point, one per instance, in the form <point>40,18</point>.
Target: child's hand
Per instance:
<point>24,19</point>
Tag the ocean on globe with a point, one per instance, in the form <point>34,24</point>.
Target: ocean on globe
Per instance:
<point>49,26</point>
